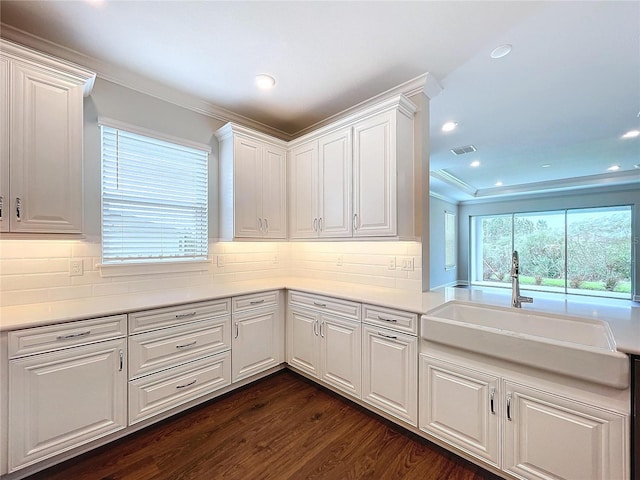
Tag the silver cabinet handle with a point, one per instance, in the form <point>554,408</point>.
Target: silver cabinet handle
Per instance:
<point>187,344</point>
<point>315,224</point>
<point>187,384</point>
<point>1,206</point>
<point>266,226</point>
<point>256,302</point>
<point>387,336</point>
<point>318,304</point>
<point>186,315</point>
<point>237,330</point>
<point>509,406</point>
<point>121,360</point>
<point>18,208</point>
<point>320,224</point>
<point>384,319</point>
<point>355,221</point>
<point>492,392</point>
<point>321,325</point>
<point>260,224</point>
<point>315,327</point>
<point>71,336</point>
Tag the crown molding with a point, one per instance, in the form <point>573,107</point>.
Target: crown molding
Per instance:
<point>229,129</point>
<point>126,78</point>
<point>443,198</point>
<point>613,179</point>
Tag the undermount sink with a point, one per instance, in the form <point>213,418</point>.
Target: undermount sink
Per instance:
<point>580,348</point>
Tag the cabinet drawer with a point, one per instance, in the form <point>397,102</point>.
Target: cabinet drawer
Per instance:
<point>391,318</point>
<point>170,316</point>
<point>160,349</point>
<point>343,308</point>
<point>256,300</point>
<point>157,393</point>
<point>56,337</point>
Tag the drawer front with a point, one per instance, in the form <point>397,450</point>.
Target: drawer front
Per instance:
<point>256,300</point>
<point>171,316</point>
<point>343,308</point>
<point>56,337</point>
<point>157,393</point>
<point>391,318</point>
<point>160,349</point>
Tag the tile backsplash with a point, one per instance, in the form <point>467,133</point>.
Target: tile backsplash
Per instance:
<point>33,271</point>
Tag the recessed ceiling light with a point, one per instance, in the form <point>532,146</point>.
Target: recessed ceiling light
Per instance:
<point>614,168</point>
<point>265,82</point>
<point>447,127</point>
<point>501,51</point>
<point>545,165</point>
<point>498,183</point>
<point>631,134</point>
<point>475,163</point>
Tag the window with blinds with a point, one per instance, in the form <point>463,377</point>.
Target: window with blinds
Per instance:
<point>154,199</point>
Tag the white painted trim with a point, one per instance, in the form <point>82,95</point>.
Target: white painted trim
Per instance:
<point>233,128</point>
<point>443,198</point>
<point>130,269</point>
<point>454,181</point>
<point>78,74</point>
<point>109,122</point>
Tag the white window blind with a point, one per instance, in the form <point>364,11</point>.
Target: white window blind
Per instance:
<point>154,199</point>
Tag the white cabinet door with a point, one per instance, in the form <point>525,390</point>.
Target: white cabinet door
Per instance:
<point>248,186</point>
<point>257,342</point>
<point>45,151</point>
<point>334,179</point>
<point>460,406</point>
<point>340,354</point>
<point>4,145</point>
<point>303,198</point>
<point>389,372</point>
<point>274,192</point>
<point>374,174</point>
<point>551,437</point>
<point>303,350</point>
<point>64,399</point>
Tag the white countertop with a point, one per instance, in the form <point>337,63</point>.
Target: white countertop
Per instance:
<point>623,317</point>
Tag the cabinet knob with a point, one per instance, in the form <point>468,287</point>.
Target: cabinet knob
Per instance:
<point>266,226</point>
<point>315,224</point>
<point>492,392</point>
<point>355,221</point>
<point>509,406</point>
<point>18,208</point>
<point>1,206</point>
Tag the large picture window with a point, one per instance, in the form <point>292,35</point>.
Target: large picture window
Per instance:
<point>154,199</point>
<point>581,251</point>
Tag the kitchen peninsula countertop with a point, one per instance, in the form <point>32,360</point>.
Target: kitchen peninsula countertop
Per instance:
<point>623,317</point>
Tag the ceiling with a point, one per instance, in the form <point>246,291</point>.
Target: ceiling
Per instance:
<point>563,97</point>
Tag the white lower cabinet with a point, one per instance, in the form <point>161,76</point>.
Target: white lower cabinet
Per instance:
<point>178,354</point>
<point>547,437</point>
<point>258,334</point>
<point>525,430</point>
<point>390,372</point>
<point>325,345</point>
<point>65,398</point>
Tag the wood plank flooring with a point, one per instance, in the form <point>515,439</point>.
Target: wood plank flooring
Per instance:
<point>281,427</point>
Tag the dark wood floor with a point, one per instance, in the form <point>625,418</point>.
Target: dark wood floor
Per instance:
<point>282,427</point>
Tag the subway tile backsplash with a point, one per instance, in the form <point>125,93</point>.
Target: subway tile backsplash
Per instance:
<point>34,271</point>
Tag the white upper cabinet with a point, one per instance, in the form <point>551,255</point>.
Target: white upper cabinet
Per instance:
<point>355,178</point>
<point>252,184</point>
<point>320,173</point>
<point>41,162</point>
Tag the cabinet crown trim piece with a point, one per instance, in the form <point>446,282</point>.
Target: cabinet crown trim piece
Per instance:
<point>75,72</point>
<point>399,103</point>
<point>231,128</point>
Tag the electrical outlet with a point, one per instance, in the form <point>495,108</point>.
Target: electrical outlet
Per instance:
<point>75,268</point>
<point>391,264</point>
<point>220,261</point>
<point>407,264</point>
<point>340,261</point>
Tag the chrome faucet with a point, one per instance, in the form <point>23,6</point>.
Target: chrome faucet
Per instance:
<point>516,298</point>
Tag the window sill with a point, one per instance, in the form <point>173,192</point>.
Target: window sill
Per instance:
<point>129,269</point>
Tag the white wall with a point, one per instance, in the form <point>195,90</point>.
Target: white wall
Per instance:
<point>440,276</point>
